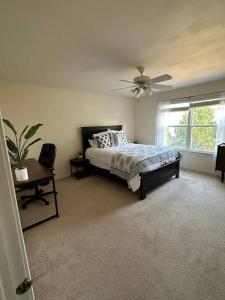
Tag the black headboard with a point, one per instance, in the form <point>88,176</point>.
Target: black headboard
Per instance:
<point>87,133</point>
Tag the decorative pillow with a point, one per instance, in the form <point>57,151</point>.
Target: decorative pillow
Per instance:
<point>93,143</point>
<point>112,136</point>
<point>100,134</point>
<point>120,138</point>
<point>104,141</point>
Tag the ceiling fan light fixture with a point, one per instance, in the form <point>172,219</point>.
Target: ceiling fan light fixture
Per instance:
<point>133,92</point>
<point>144,85</point>
<point>147,91</point>
<point>139,92</point>
<point>136,92</point>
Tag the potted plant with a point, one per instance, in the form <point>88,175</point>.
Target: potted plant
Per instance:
<point>19,147</point>
<point>79,154</point>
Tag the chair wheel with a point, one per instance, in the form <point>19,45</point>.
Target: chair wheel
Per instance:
<point>24,207</point>
<point>47,203</point>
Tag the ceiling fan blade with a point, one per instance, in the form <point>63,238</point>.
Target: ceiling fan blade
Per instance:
<point>160,86</point>
<point>127,81</point>
<point>128,87</point>
<point>160,78</point>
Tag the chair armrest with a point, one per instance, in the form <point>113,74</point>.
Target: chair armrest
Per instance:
<point>51,170</point>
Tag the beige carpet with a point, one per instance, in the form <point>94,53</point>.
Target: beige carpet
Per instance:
<point>35,211</point>
<point>108,245</point>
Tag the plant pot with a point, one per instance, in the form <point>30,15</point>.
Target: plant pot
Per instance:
<point>21,174</point>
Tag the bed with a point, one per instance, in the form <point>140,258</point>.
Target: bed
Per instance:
<point>152,173</point>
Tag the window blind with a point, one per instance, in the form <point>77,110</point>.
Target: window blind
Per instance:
<point>181,104</point>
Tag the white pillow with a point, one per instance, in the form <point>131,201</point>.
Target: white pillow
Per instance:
<point>93,143</point>
<point>101,134</point>
<point>120,138</point>
<point>104,141</point>
<point>112,135</point>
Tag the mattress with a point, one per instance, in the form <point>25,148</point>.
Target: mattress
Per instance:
<point>153,158</point>
<point>100,158</point>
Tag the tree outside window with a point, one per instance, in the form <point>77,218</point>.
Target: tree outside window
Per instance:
<point>193,129</point>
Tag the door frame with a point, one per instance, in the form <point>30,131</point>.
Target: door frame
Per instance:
<point>13,257</point>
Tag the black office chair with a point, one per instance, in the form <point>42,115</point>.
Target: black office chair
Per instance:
<point>47,159</point>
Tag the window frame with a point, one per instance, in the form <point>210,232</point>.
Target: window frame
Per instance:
<point>189,128</point>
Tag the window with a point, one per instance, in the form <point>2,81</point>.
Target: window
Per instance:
<point>190,125</point>
<point>176,129</point>
<point>203,128</point>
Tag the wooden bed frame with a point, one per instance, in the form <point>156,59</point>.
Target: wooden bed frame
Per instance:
<point>149,180</point>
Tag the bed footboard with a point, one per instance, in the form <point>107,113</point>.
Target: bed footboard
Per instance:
<point>150,180</point>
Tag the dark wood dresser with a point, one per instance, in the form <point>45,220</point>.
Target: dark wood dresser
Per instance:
<point>220,160</point>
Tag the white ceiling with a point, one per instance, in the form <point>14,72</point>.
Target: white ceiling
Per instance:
<point>89,44</point>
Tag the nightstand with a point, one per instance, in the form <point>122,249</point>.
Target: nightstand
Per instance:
<point>79,167</point>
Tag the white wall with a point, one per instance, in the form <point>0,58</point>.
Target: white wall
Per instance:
<point>145,122</point>
<point>63,112</point>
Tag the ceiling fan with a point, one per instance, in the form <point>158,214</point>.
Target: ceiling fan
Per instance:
<point>143,85</point>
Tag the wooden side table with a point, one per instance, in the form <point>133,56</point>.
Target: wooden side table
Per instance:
<point>79,167</point>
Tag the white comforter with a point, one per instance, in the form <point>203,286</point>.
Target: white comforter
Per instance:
<point>103,158</point>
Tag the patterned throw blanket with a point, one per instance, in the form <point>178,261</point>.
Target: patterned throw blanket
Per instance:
<point>132,159</point>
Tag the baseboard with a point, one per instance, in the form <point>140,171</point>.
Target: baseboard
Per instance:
<point>214,174</point>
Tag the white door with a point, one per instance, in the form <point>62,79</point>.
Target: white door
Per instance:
<point>14,266</point>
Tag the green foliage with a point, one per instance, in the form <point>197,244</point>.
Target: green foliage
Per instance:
<point>18,149</point>
<point>203,116</point>
<point>24,155</point>
<point>10,125</point>
<point>202,138</point>
<point>184,120</point>
<point>32,131</point>
<point>11,145</point>
<point>22,133</point>
<point>12,156</point>
<point>176,137</point>
<point>35,141</point>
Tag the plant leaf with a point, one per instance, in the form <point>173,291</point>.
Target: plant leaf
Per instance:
<point>10,125</point>
<point>23,132</point>
<point>35,141</point>
<point>24,155</point>
<point>32,131</point>
<point>11,145</point>
<point>12,156</point>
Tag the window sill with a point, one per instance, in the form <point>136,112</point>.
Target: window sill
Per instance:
<point>196,152</point>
